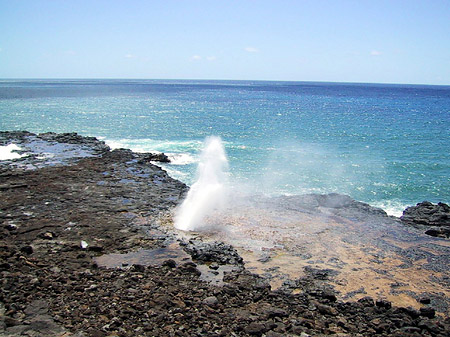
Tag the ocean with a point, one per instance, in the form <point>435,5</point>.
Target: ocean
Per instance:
<point>387,145</point>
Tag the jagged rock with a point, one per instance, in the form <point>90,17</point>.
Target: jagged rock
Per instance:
<point>326,309</point>
<point>320,274</point>
<point>218,252</point>
<point>170,263</point>
<point>427,312</point>
<point>191,268</point>
<point>428,214</point>
<point>160,157</point>
<point>366,301</point>
<point>383,304</point>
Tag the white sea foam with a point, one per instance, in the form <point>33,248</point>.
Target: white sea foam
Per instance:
<point>391,207</point>
<point>176,174</point>
<point>8,152</point>
<point>152,145</point>
<point>179,152</point>
<point>181,158</point>
<point>128,144</point>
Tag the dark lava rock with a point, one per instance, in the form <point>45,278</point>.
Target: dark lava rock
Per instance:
<point>326,309</point>
<point>427,312</point>
<point>428,214</point>
<point>425,300</point>
<point>443,232</point>
<point>320,274</point>
<point>138,267</point>
<point>97,249</point>
<point>409,310</point>
<point>329,295</point>
<point>366,301</point>
<point>27,250</point>
<point>170,263</point>
<point>11,227</point>
<point>4,266</point>
<point>255,328</point>
<point>191,268</point>
<point>383,304</point>
<point>74,138</point>
<point>160,157</point>
<point>218,252</point>
<point>276,312</point>
<point>214,266</point>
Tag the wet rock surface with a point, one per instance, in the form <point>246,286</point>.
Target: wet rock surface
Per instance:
<point>113,202</point>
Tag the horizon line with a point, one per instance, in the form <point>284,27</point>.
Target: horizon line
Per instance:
<point>209,79</point>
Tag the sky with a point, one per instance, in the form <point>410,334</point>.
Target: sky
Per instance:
<point>376,41</point>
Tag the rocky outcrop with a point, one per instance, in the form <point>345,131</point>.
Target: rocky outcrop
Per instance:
<point>428,214</point>
<point>160,157</point>
<point>218,252</point>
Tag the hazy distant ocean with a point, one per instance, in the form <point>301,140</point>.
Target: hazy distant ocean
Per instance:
<point>388,145</point>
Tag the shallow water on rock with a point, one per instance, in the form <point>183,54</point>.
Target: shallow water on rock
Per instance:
<point>145,257</point>
<point>158,257</point>
<point>371,253</point>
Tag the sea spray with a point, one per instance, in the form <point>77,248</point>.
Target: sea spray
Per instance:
<point>209,192</point>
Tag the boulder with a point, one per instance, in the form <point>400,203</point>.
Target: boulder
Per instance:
<point>218,252</point>
<point>159,157</point>
<point>428,214</point>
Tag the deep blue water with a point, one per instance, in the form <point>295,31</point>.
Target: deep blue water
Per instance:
<point>383,144</point>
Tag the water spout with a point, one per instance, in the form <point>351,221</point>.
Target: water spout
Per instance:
<point>209,192</point>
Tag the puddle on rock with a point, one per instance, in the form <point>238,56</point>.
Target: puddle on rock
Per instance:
<point>157,257</point>
<point>145,257</point>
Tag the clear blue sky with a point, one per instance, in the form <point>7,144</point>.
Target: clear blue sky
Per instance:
<point>391,41</point>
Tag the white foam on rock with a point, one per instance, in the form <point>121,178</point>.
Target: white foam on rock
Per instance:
<point>9,152</point>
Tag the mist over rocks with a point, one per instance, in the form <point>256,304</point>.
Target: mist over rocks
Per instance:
<point>116,201</point>
<point>338,204</point>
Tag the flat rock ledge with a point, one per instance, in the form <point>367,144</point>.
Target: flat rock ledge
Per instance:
<point>58,216</point>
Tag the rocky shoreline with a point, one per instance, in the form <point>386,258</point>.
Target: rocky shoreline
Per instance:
<point>74,201</point>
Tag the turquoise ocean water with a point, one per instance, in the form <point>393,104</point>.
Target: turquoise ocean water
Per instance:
<point>388,145</point>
